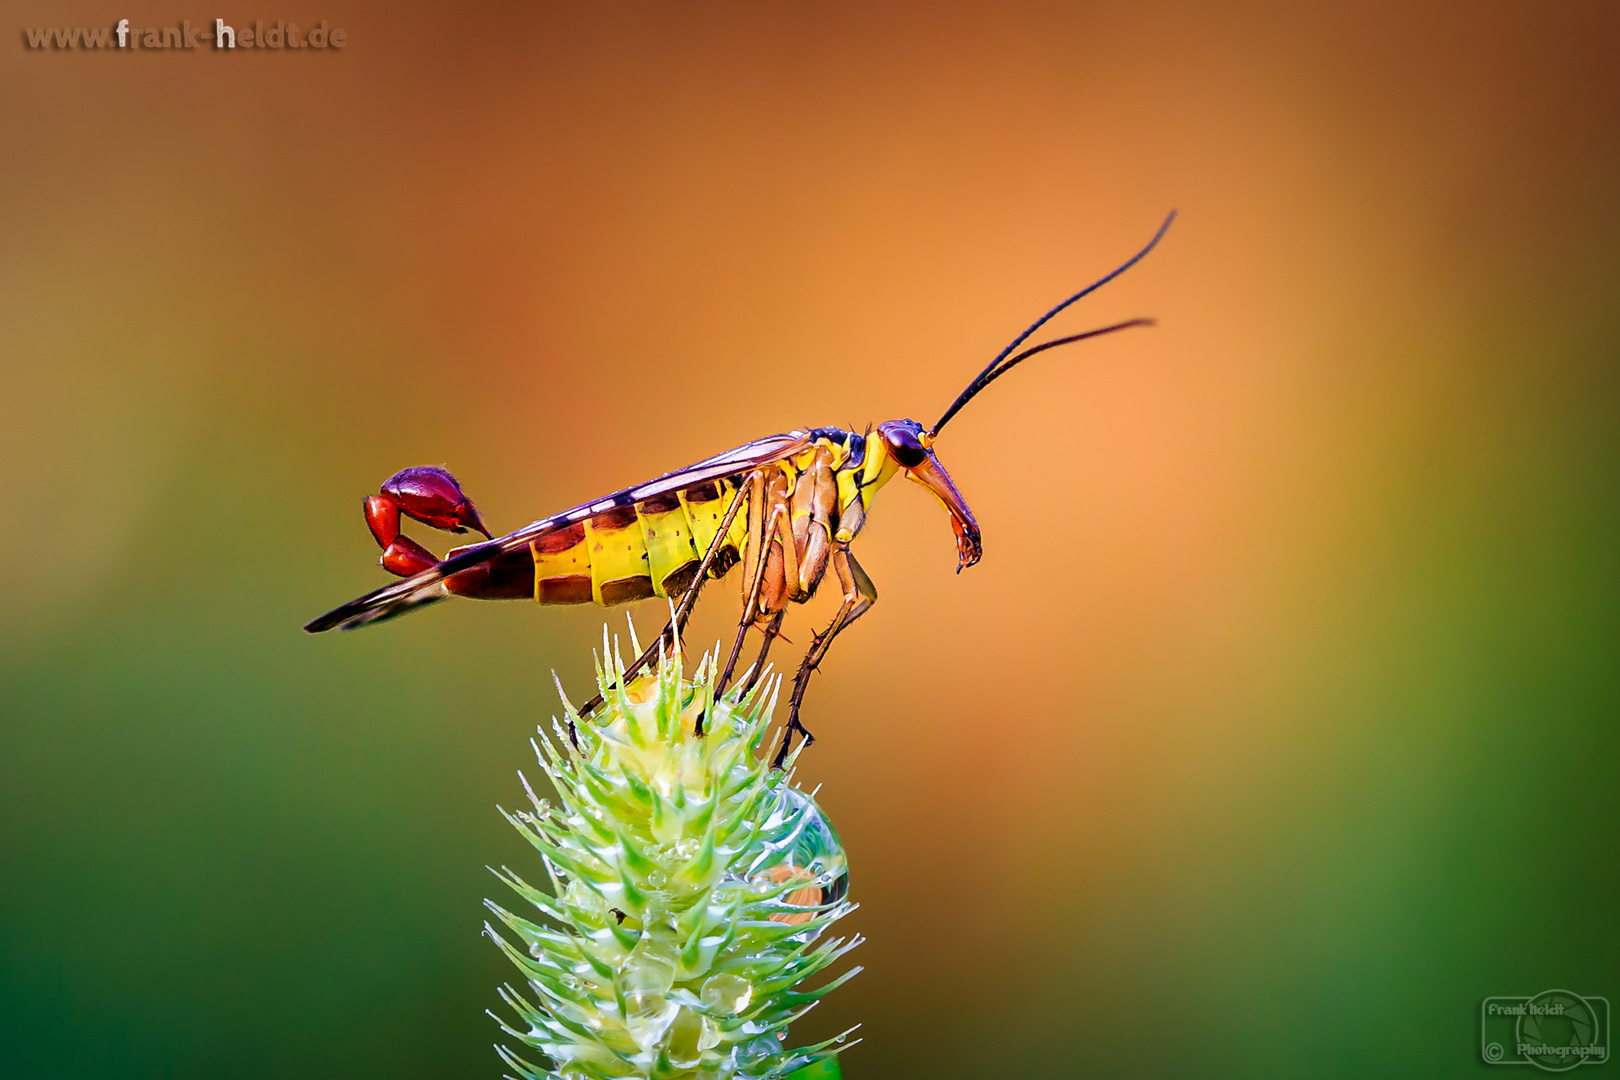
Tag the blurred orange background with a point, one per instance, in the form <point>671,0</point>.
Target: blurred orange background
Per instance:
<point>1274,732</point>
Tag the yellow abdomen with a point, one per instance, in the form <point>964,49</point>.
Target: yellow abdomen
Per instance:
<point>637,550</point>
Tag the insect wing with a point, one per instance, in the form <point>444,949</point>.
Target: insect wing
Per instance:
<point>428,586</point>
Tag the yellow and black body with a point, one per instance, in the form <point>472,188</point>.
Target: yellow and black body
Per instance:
<point>651,545</point>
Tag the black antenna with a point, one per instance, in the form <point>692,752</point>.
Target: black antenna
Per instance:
<point>995,368</point>
<point>985,380</point>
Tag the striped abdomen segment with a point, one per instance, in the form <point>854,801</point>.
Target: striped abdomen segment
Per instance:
<point>638,549</point>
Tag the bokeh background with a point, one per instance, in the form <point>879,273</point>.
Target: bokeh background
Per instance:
<point>1276,729</point>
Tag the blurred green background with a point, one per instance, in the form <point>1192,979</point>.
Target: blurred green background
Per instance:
<point>1276,729</point>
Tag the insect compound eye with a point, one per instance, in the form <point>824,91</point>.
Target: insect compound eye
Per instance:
<point>905,447</point>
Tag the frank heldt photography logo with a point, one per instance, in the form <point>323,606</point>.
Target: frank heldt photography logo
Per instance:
<point>1555,1030</point>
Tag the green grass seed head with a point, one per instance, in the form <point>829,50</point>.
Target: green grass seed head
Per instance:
<point>692,887</point>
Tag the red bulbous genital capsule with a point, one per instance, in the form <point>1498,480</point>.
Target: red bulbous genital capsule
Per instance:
<point>431,495</point>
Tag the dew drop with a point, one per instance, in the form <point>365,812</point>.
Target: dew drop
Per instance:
<point>726,994</point>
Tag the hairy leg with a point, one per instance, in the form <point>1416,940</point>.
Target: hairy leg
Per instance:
<point>859,596</point>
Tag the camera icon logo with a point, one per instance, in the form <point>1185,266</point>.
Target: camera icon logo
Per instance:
<point>1554,1031</point>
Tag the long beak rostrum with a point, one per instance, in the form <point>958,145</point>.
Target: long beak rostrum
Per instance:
<point>932,475</point>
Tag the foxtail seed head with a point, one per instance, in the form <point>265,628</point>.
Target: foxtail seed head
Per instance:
<point>691,888</point>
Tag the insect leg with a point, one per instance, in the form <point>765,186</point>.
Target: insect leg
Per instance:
<point>804,548</point>
<point>859,595</point>
<point>688,601</point>
<point>757,560</point>
<point>749,609</point>
<point>772,632</point>
<point>788,546</point>
<point>815,502</point>
<point>683,610</point>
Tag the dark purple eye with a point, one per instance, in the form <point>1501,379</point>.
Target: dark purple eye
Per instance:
<point>905,447</point>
